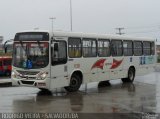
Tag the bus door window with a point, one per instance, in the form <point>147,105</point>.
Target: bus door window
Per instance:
<point>55,55</point>
<point>59,53</point>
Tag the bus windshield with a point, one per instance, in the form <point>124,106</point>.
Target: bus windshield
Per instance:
<point>30,55</point>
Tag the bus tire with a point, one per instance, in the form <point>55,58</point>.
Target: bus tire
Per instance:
<point>131,76</point>
<point>75,84</point>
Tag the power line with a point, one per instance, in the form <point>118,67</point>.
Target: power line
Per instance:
<point>71,15</point>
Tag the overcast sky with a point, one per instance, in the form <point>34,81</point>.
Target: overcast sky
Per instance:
<point>138,17</point>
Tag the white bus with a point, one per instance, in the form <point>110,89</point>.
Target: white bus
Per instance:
<point>49,60</point>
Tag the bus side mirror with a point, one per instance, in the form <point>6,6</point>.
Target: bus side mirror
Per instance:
<point>5,50</point>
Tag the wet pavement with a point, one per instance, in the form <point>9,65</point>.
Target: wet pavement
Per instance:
<point>143,96</point>
<point>5,81</point>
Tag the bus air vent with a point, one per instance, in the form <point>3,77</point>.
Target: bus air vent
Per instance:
<point>27,72</point>
<point>28,82</point>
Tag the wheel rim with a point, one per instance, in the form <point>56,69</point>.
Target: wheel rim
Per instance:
<point>74,82</point>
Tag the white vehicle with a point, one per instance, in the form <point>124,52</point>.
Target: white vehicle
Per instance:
<point>49,60</point>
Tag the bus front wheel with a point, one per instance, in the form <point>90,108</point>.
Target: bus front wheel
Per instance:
<point>75,84</point>
<point>131,75</point>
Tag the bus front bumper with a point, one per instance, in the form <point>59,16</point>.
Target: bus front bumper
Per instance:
<point>31,83</point>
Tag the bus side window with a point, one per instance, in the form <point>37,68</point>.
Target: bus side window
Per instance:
<point>89,47</point>
<point>127,48</point>
<point>59,53</point>
<point>103,47</point>
<point>146,48</point>
<point>137,48</point>
<point>116,48</point>
<point>74,47</point>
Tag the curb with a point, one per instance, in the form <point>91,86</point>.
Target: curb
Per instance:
<point>6,84</point>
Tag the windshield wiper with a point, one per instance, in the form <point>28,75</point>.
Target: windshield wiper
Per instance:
<point>26,53</point>
<point>23,47</point>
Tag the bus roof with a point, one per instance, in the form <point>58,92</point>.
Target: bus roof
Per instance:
<point>100,36</point>
<point>92,35</point>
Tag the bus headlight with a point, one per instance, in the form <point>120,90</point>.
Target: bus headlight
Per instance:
<point>14,74</point>
<point>42,76</point>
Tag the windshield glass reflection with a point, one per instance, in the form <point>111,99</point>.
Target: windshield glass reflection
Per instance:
<point>31,55</point>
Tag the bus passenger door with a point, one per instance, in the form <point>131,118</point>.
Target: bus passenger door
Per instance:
<point>59,69</point>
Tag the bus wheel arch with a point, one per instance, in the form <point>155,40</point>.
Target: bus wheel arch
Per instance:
<point>130,75</point>
<point>75,81</point>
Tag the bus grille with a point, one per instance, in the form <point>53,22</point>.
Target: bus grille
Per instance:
<point>27,72</point>
<point>28,82</point>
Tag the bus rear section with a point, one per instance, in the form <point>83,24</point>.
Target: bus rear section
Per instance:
<point>5,66</point>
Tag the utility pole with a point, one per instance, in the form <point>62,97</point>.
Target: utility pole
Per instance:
<point>71,14</point>
<point>119,31</point>
<point>52,18</point>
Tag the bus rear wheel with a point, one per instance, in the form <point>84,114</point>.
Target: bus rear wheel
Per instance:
<point>131,76</point>
<point>75,84</point>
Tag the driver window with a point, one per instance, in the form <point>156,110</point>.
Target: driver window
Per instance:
<point>59,53</point>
